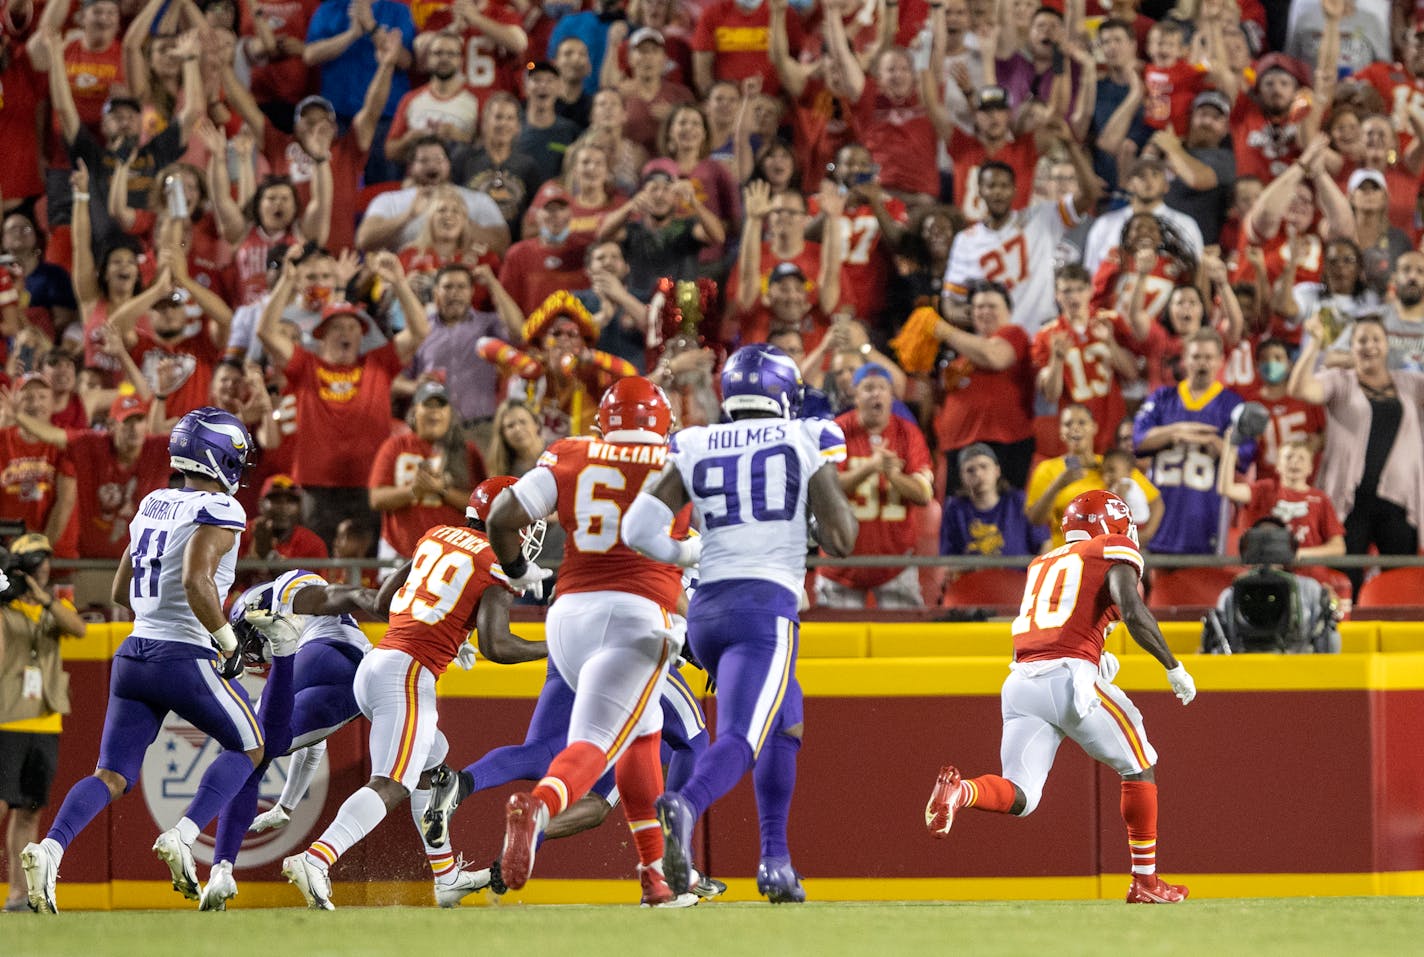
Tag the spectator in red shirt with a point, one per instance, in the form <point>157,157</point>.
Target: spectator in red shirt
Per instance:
<point>423,477</point>
<point>988,386</point>
<point>94,60</point>
<point>785,245</point>
<point>277,533</point>
<point>1295,503</point>
<point>1079,356</point>
<point>1171,80</point>
<point>551,261</point>
<point>732,42</point>
<point>113,470</point>
<point>37,484</point>
<point>60,369</point>
<point>1291,419</point>
<point>649,94</point>
<point>343,397</point>
<point>887,477</point>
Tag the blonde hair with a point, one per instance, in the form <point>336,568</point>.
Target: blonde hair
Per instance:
<point>445,193</point>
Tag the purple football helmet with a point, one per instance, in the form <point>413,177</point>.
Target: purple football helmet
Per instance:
<point>761,378</point>
<point>211,443</point>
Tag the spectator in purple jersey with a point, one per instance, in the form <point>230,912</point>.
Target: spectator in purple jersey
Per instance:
<point>1182,428</point>
<point>987,516</point>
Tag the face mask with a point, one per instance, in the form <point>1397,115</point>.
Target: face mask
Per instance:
<point>1275,371</point>
<point>553,239</point>
<point>318,296</point>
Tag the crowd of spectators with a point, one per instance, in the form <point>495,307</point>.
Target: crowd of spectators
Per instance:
<point>1020,250</point>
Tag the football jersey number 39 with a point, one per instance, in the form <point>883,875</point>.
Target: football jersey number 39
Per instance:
<point>1051,593</point>
<point>437,573</point>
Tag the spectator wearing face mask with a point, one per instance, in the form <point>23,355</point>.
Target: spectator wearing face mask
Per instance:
<point>1291,419</point>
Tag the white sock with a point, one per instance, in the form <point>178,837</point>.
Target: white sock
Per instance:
<point>301,766</point>
<point>359,815</point>
<point>187,831</point>
<point>52,848</point>
<point>442,859</point>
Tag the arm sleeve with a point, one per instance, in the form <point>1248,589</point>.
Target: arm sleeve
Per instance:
<point>537,492</point>
<point>645,529</point>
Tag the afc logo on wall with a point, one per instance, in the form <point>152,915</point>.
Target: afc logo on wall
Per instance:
<point>175,764</point>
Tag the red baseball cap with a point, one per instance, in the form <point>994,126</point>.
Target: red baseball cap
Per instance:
<point>340,307</point>
<point>127,406</point>
<point>281,484</point>
<point>32,378</point>
<point>551,192</point>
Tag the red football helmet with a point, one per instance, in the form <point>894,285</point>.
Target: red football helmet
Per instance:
<point>482,498</point>
<point>1095,513</point>
<point>635,410</point>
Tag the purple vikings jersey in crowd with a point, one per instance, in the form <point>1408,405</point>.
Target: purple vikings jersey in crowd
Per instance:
<point>1194,520</point>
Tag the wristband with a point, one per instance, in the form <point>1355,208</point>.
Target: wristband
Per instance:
<point>225,638</point>
<point>515,569</point>
<point>82,196</point>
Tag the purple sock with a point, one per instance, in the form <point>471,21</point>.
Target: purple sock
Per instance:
<point>275,714</point>
<point>221,782</point>
<point>774,779</point>
<point>718,771</point>
<point>515,762</point>
<point>81,805</point>
<point>237,817</point>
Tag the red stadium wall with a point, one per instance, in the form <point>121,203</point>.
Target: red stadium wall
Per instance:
<point>1307,769</point>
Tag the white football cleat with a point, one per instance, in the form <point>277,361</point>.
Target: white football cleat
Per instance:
<point>179,857</point>
<point>220,888</point>
<point>465,883</point>
<point>311,879</point>
<point>41,871</point>
<point>270,820</point>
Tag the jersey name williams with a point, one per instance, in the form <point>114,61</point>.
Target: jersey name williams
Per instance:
<point>740,439</point>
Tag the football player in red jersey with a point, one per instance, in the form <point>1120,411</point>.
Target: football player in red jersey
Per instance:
<point>1060,685</point>
<point>609,630</point>
<point>453,582</point>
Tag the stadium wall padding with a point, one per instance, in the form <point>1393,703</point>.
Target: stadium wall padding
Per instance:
<point>1308,769</point>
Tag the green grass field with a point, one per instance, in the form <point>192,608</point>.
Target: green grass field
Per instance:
<point>1361,925</point>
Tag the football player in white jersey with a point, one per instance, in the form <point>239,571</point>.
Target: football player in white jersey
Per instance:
<point>179,564</point>
<point>750,481</point>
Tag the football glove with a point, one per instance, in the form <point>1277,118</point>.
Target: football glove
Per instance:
<point>465,657</point>
<point>1108,666</point>
<point>1182,684</point>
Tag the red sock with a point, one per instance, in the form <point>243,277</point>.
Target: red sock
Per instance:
<point>572,772</point>
<point>989,792</point>
<point>1139,811</point>
<point>639,774</point>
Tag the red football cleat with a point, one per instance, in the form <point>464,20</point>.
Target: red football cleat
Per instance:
<point>946,798</point>
<point>525,818</point>
<point>657,893</point>
<point>1151,889</point>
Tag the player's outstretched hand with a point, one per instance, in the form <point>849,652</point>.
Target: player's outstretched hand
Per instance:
<point>1182,684</point>
<point>531,583</point>
<point>465,657</point>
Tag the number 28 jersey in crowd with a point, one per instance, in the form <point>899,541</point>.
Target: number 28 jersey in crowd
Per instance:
<point>166,521</point>
<point>1067,606</point>
<point>748,482</point>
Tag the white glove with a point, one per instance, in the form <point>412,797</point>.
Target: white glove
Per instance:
<point>465,657</point>
<point>531,583</point>
<point>1182,684</point>
<point>1108,665</point>
<point>690,551</point>
<point>282,633</point>
<point>4,581</point>
<point>269,820</point>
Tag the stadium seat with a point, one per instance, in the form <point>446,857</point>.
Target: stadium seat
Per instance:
<point>987,587</point>
<point>927,543</point>
<point>1392,588</point>
<point>1179,587</point>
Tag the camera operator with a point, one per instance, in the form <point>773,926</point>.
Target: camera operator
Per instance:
<point>34,694</point>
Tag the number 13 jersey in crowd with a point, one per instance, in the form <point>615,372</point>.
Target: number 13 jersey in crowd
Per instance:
<point>166,521</point>
<point>434,611</point>
<point>591,483</point>
<point>748,482</point>
<point>1067,605</point>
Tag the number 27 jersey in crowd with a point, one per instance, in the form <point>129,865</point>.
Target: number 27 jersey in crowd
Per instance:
<point>166,521</point>
<point>748,481</point>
